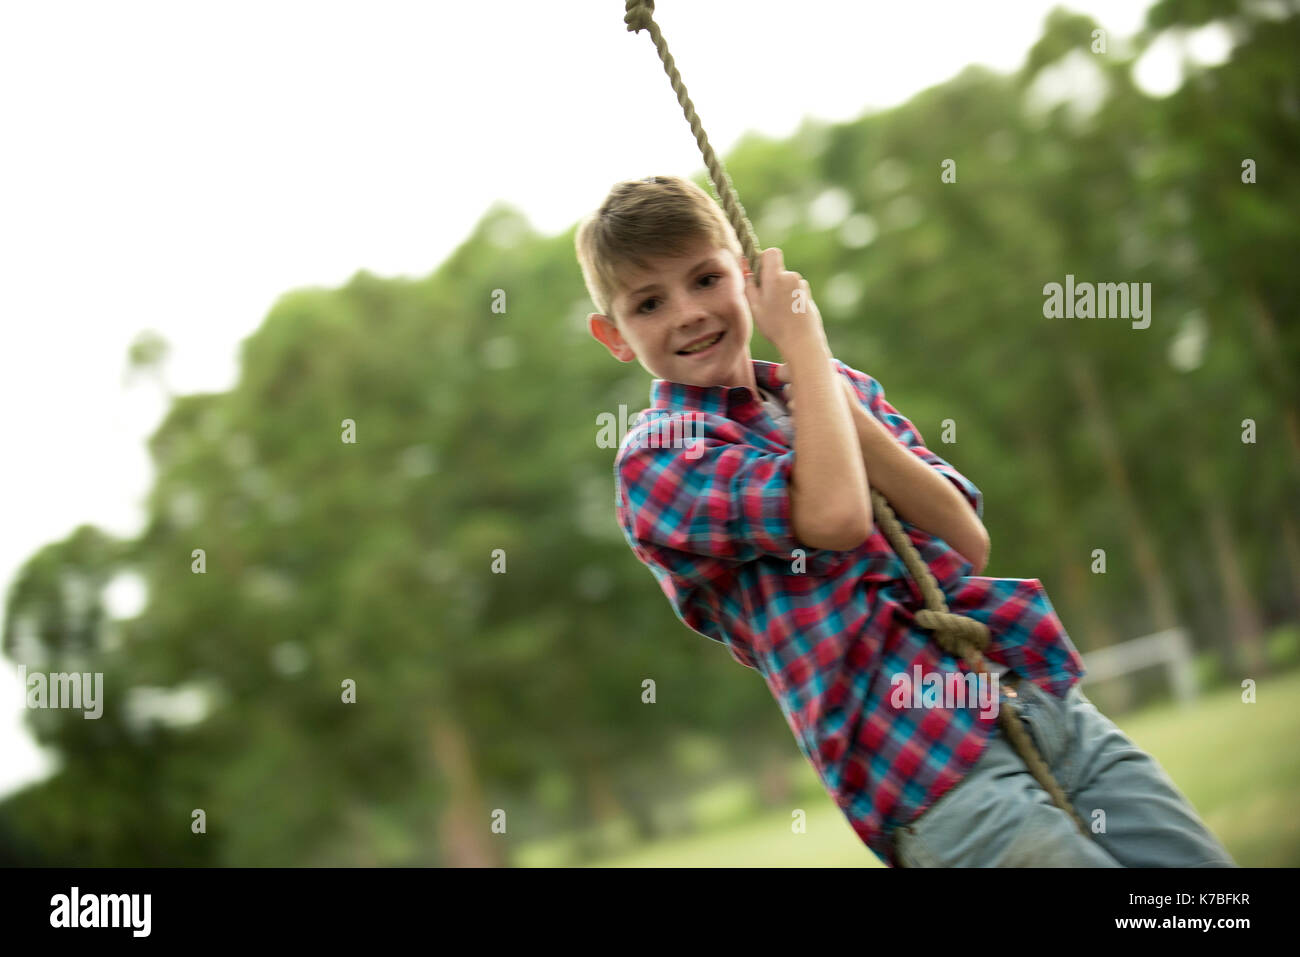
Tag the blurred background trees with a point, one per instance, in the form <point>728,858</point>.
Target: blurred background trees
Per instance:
<point>332,552</point>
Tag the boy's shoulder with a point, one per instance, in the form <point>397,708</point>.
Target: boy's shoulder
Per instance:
<point>666,437</point>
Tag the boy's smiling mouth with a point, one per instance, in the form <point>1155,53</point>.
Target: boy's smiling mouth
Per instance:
<point>704,346</point>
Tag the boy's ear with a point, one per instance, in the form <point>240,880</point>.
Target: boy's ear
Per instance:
<point>604,331</point>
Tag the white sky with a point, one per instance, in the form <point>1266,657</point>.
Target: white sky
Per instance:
<point>178,166</point>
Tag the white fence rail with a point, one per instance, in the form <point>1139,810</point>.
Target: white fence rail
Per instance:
<point>1170,648</point>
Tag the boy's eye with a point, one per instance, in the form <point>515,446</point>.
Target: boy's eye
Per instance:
<point>713,275</point>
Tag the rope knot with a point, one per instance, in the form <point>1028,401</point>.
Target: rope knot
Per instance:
<point>638,14</point>
<point>949,630</point>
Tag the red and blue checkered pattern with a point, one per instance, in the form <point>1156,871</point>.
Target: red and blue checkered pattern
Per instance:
<point>710,517</point>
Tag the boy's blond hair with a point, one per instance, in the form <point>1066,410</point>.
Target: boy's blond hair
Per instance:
<point>642,219</point>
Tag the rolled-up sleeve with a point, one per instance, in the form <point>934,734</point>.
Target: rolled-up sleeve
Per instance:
<point>872,393</point>
<point>718,498</point>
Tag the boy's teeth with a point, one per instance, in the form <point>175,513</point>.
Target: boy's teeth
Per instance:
<point>703,345</point>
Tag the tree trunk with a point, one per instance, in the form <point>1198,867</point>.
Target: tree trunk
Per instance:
<point>1088,626</point>
<point>1291,546</point>
<point>465,823</point>
<point>1245,626</point>
<point>1242,638</point>
<point>1271,357</point>
<point>1155,583</point>
<point>774,785</point>
<point>602,808</point>
<point>601,798</point>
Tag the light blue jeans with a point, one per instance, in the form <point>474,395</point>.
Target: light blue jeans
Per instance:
<point>999,816</point>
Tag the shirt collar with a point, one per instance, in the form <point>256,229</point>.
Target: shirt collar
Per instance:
<point>717,399</point>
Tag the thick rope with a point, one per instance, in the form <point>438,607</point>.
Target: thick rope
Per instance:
<point>639,16</point>
<point>959,635</point>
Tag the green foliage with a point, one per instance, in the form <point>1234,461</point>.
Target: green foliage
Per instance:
<point>372,561</point>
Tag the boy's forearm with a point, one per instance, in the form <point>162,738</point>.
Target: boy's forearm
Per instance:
<point>917,492</point>
<point>829,492</point>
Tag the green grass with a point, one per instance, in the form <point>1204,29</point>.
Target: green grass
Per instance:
<point>1237,763</point>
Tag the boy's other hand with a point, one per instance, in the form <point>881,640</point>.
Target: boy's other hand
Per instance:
<point>782,307</point>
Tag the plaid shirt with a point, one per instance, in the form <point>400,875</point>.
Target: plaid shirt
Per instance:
<point>703,499</point>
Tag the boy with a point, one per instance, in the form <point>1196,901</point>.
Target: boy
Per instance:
<point>756,521</point>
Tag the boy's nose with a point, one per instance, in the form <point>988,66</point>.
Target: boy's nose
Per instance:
<point>689,318</point>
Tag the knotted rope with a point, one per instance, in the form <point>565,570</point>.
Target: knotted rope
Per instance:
<point>959,635</point>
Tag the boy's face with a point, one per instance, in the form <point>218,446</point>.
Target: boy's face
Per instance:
<point>666,308</point>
